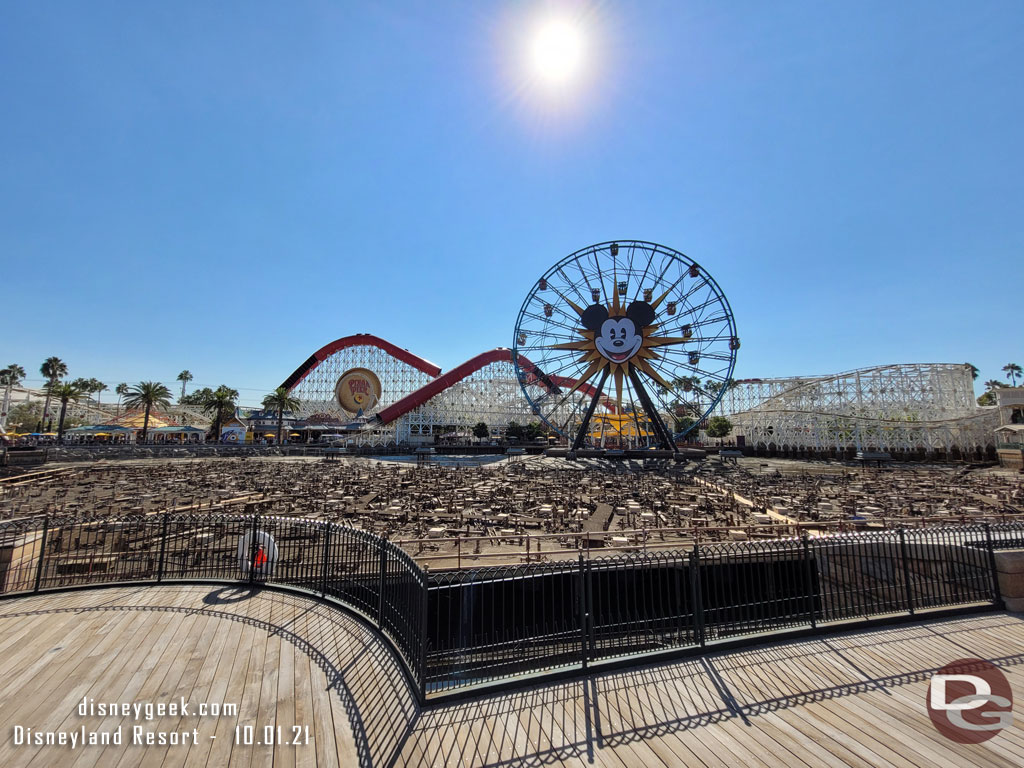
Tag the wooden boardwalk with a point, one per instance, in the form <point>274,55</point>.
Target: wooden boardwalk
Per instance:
<point>852,699</point>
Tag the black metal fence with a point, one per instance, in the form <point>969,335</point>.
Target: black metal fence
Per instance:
<point>458,629</point>
<point>356,568</point>
<point>490,624</point>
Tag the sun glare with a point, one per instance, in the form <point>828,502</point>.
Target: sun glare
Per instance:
<point>557,51</point>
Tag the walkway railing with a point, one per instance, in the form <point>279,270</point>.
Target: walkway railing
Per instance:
<point>457,630</point>
<point>358,569</point>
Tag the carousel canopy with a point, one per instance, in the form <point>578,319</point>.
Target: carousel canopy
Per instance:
<point>136,419</point>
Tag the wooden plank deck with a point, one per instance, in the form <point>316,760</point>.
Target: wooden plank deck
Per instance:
<point>852,699</point>
<point>283,660</point>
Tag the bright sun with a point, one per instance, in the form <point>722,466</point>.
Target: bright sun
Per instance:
<point>557,51</point>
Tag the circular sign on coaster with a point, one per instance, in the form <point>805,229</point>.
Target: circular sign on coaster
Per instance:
<point>358,390</point>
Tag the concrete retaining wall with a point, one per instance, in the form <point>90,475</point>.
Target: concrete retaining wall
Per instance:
<point>1010,567</point>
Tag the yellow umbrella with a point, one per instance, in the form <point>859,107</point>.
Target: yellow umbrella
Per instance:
<point>102,434</point>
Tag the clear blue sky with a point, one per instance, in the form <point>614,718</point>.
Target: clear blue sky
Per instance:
<point>227,186</point>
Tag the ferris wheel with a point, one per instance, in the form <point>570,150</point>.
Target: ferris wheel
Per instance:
<point>625,343</point>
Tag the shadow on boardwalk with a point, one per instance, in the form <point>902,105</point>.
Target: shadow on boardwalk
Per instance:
<point>855,698</point>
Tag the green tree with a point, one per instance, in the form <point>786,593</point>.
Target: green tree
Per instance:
<point>280,400</point>
<point>481,430</point>
<point>1012,372</point>
<point>514,429</point>
<point>185,377</point>
<point>221,403</point>
<point>53,369</point>
<point>98,388</point>
<point>533,430</point>
<point>198,397</point>
<point>10,377</point>
<point>685,383</point>
<point>719,426</point>
<point>689,394</point>
<point>90,386</point>
<point>24,416</point>
<point>683,423</point>
<point>989,398</point>
<point>65,393</point>
<point>121,390</point>
<point>148,395</point>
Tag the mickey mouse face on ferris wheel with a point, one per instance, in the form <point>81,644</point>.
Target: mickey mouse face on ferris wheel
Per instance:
<point>618,338</point>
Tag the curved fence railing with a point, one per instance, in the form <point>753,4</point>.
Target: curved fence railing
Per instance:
<point>356,568</point>
<point>456,630</point>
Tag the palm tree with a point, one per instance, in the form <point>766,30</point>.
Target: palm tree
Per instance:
<point>121,390</point>
<point>66,393</point>
<point>53,369</point>
<point>692,385</point>
<point>148,394</point>
<point>184,377</point>
<point>1012,372</point>
<point>993,384</point>
<point>280,400</point>
<point>98,387</point>
<point>221,402</point>
<point>974,371</point>
<point>10,377</point>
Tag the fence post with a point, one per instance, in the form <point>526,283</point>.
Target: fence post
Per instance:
<point>581,579</point>
<point>254,545</point>
<point>696,600</point>
<point>809,581</point>
<point>380,585</point>
<point>326,557</point>
<point>997,597</point>
<point>906,570</point>
<point>424,633</point>
<point>163,549</point>
<point>42,553</point>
